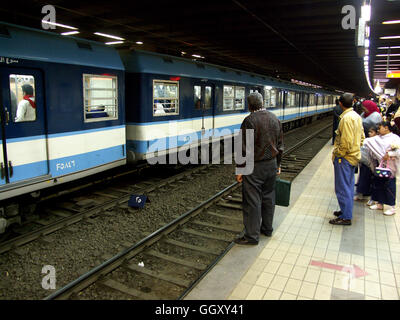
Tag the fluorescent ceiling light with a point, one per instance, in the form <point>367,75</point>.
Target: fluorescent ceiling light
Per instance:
<point>197,56</point>
<point>59,25</point>
<point>391,22</point>
<point>114,42</point>
<point>391,47</point>
<point>366,43</point>
<point>390,55</point>
<point>390,37</point>
<point>366,58</point>
<point>366,12</point>
<point>69,33</point>
<point>386,60</point>
<point>139,42</point>
<point>108,36</point>
<point>366,52</point>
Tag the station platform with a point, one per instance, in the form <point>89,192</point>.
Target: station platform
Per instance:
<point>309,259</point>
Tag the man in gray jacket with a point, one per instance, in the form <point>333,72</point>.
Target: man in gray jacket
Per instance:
<point>259,187</point>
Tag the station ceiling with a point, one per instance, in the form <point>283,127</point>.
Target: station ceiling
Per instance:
<point>291,39</point>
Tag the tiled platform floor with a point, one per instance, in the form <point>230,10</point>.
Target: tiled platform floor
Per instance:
<point>280,267</point>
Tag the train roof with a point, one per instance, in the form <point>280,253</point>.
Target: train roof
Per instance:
<point>139,61</point>
<point>31,44</point>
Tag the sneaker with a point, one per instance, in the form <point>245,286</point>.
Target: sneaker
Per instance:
<point>358,197</point>
<point>390,212</point>
<point>376,207</point>
<point>370,203</point>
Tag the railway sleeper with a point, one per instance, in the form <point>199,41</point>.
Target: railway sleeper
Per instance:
<point>158,275</point>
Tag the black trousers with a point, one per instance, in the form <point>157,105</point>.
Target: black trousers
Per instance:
<point>259,199</point>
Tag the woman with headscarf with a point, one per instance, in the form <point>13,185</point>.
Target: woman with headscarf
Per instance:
<point>371,116</point>
<point>384,148</point>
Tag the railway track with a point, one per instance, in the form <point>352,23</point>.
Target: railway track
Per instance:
<point>168,263</point>
<point>67,213</point>
<point>103,195</point>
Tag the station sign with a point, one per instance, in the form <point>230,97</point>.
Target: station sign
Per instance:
<point>393,74</point>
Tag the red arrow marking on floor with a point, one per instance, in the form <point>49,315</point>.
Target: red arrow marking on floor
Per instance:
<point>355,270</point>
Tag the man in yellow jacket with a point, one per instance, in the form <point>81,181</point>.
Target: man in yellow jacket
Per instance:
<point>346,155</point>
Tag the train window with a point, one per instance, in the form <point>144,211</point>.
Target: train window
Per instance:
<point>291,99</point>
<point>22,96</point>
<point>267,97</point>
<point>100,97</point>
<point>229,95</point>
<point>165,97</point>
<point>274,98</point>
<point>197,97</point>
<point>320,100</point>
<point>239,98</point>
<point>207,97</point>
<point>312,100</point>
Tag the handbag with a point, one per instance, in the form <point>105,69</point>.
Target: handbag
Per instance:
<point>384,172</point>
<point>282,192</point>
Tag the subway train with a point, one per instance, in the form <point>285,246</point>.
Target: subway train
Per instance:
<point>97,108</point>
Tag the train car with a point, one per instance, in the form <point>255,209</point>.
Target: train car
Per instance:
<point>172,102</point>
<point>62,111</point>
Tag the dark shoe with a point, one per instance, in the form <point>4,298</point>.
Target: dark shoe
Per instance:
<point>340,222</point>
<point>337,213</point>
<point>243,240</point>
<point>266,233</point>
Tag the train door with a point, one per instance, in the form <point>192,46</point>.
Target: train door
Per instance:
<point>304,104</point>
<point>204,107</point>
<point>23,136</point>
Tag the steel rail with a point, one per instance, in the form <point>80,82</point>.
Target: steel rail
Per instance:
<point>106,267</point>
<point>67,221</point>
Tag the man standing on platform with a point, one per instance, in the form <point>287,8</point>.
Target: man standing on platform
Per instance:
<point>346,155</point>
<point>259,187</point>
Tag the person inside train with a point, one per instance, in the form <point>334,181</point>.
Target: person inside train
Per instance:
<point>14,104</point>
<point>159,108</point>
<point>26,110</point>
<point>384,149</point>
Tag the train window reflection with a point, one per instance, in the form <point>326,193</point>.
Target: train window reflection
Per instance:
<point>207,97</point>
<point>239,98</point>
<point>100,97</point>
<point>165,97</point>
<point>197,97</point>
<point>228,97</point>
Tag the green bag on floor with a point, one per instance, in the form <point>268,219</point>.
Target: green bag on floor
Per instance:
<point>282,192</point>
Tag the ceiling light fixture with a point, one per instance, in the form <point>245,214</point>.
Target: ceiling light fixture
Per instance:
<point>366,12</point>
<point>109,36</point>
<point>391,47</point>
<point>391,22</point>
<point>69,33</point>
<point>390,55</point>
<point>139,42</point>
<point>59,25</point>
<point>114,42</point>
<point>390,37</point>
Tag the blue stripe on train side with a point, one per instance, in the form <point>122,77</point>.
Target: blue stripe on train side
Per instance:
<point>68,165</point>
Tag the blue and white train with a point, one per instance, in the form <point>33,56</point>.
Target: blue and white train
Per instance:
<point>97,108</point>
